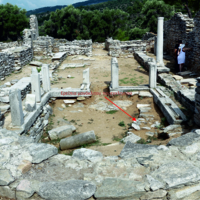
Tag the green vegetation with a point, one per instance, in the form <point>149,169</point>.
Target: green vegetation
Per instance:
<point>39,69</point>
<point>13,21</point>
<point>111,111</point>
<point>122,124</point>
<point>120,19</point>
<point>132,81</point>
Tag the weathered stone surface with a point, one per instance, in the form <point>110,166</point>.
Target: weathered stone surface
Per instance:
<point>24,190</point>
<point>72,189</point>
<point>154,195</point>
<point>154,184</point>
<point>145,94</point>
<point>116,188</point>
<point>41,151</point>
<point>87,154</point>
<point>61,132</point>
<point>77,140</point>
<point>25,166</point>
<point>177,173</point>
<point>6,191</point>
<point>131,138</point>
<point>171,127</point>
<point>183,192</point>
<point>5,177</point>
<point>184,140</point>
<point>135,126</point>
<point>137,150</point>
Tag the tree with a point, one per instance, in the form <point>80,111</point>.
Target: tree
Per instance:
<point>13,21</point>
<point>188,5</point>
<point>153,9</point>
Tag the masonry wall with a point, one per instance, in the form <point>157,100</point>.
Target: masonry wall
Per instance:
<point>179,27</point>
<point>116,48</point>
<point>5,45</point>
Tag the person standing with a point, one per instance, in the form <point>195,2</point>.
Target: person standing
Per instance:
<point>176,66</point>
<point>181,55</point>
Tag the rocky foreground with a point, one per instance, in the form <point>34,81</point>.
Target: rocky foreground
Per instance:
<point>139,172</point>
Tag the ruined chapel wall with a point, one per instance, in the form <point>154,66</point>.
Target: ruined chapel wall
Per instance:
<point>179,27</point>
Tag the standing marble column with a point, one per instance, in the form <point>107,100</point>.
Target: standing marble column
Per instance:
<point>35,84</point>
<point>152,75</point>
<point>17,115</point>
<point>45,78</point>
<point>159,47</point>
<point>86,76</point>
<point>114,73</point>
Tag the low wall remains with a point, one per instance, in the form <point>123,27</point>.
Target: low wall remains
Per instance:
<point>116,48</point>
<point>6,45</point>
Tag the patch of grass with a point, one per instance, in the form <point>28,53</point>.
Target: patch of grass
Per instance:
<point>122,124</point>
<point>72,77</point>
<point>70,153</point>
<point>105,144</point>
<point>116,138</point>
<point>73,121</point>
<point>96,143</point>
<point>56,141</point>
<point>39,69</point>
<point>75,133</point>
<point>111,111</point>
<point>142,141</point>
<point>141,98</point>
<point>152,138</point>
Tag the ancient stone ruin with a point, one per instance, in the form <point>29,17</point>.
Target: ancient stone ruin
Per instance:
<point>32,169</point>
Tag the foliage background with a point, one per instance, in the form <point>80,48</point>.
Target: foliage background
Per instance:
<point>120,19</point>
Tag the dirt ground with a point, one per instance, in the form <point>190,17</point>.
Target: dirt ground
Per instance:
<point>100,71</point>
<point>104,125</point>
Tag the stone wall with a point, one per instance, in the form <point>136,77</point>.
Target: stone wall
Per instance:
<point>43,45</point>
<point>6,45</point>
<point>197,104</point>
<point>6,64</point>
<point>116,48</point>
<point>179,27</point>
<point>76,47</point>
<point>21,55</point>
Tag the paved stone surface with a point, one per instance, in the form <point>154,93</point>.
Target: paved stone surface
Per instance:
<point>87,154</point>
<point>113,188</point>
<point>72,189</point>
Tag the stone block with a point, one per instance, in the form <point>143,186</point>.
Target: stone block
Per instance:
<point>41,151</point>
<point>86,76</point>
<point>116,188</point>
<point>25,166</point>
<point>24,190</point>
<point>61,132</point>
<point>71,189</point>
<point>30,104</point>
<point>17,115</point>
<point>184,140</point>
<point>137,150</point>
<point>87,154</point>
<point>5,177</point>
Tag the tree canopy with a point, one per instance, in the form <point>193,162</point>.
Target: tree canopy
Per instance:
<point>12,21</point>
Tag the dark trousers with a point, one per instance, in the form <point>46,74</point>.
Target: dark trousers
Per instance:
<point>176,65</point>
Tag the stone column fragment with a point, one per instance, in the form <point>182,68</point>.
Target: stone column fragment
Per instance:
<point>86,76</point>
<point>45,78</point>
<point>114,73</point>
<point>17,115</point>
<point>35,84</point>
<point>159,47</point>
<point>77,140</point>
<point>152,75</point>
